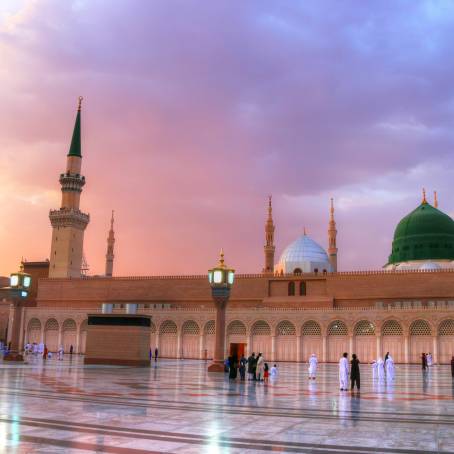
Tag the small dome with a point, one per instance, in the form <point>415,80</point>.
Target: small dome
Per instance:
<point>430,266</point>
<point>425,234</point>
<point>304,255</point>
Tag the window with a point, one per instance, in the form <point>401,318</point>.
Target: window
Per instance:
<point>297,271</point>
<point>302,288</point>
<point>291,289</point>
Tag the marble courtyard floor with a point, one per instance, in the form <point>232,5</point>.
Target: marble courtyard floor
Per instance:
<point>65,407</point>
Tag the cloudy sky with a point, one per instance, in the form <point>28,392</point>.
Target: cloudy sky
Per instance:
<point>195,111</point>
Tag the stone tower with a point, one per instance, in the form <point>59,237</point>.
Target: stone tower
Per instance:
<point>68,222</point>
<point>269,247</point>
<point>332,233</point>
<point>110,248</point>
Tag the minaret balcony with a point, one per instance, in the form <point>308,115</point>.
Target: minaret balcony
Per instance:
<point>66,217</point>
<point>72,182</point>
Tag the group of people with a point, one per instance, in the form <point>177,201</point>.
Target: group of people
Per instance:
<point>382,369</point>
<point>427,361</point>
<point>42,350</point>
<point>256,367</point>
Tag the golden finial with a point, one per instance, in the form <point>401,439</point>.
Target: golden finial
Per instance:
<point>112,219</point>
<point>424,201</point>
<point>79,107</point>
<point>435,199</point>
<point>221,259</point>
<point>332,206</point>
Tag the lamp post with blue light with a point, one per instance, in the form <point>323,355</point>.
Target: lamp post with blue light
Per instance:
<point>221,280</point>
<point>14,295</point>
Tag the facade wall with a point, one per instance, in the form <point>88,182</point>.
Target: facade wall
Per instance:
<point>181,333</point>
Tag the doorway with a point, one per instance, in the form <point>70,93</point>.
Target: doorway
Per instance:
<point>237,349</point>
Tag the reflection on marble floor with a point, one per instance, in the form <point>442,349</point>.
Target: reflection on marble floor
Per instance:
<point>65,407</point>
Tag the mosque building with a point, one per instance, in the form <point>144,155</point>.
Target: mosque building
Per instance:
<point>298,305</point>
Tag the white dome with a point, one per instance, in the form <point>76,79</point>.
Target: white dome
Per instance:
<point>303,254</point>
<point>430,266</point>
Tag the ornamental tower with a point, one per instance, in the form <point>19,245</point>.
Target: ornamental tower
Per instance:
<point>332,234</point>
<point>269,247</point>
<point>110,248</point>
<point>68,222</point>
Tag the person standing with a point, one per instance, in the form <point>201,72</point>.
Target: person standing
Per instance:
<point>233,364</point>
<point>273,371</point>
<point>45,352</point>
<point>354,372</point>
<point>250,369</point>
<point>266,373</point>
<point>343,372</point>
<point>156,354</point>
<point>374,369</point>
<point>313,366</point>
<point>243,362</point>
<point>429,359</point>
<point>71,349</point>
<point>380,369</point>
<point>423,361</point>
<point>452,367</point>
<point>389,368</point>
<point>60,353</point>
<point>260,367</point>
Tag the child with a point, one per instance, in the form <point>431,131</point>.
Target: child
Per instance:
<point>274,372</point>
<point>266,373</point>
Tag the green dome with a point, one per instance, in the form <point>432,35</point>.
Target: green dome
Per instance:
<point>425,234</point>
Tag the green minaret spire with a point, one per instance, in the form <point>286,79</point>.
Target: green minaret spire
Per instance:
<point>75,148</point>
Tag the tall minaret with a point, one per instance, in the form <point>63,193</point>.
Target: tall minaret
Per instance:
<point>69,223</point>
<point>269,241</point>
<point>110,248</point>
<point>332,233</point>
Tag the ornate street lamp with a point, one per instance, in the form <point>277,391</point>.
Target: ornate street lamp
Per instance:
<point>14,295</point>
<point>221,280</point>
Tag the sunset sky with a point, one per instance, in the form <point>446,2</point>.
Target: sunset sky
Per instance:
<point>195,111</point>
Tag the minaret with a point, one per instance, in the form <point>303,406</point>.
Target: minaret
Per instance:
<point>269,241</point>
<point>332,233</point>
<point>110,248</point>
<point>68,222</point>
<point>435,199</point>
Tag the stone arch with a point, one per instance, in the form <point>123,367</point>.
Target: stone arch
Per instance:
<point>236,334</point>
<point>190,339</point>
<point>285,346</point>
<point>83,336</point>
<point>420,339</point>
<point>261,338</point>
<point>209,339</point>
<point>34,329</point>
<point>69,334</point>
<point>392,340</point>
<point>365,344</point>
<point>168,339</point>
<point>51,330</point>
<point>445,341</point>
<point>311,339</point>
<point>337,340</point>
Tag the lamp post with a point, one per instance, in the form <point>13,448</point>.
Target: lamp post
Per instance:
<point>19,287</point>
<point>221,281</point>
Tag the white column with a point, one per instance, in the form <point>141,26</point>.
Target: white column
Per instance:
<point>201,344</point>
<point>77,349</point>
<point>435,350</point>
<point>22,332</point>
<point>350,345</point>
<point>273,348</point>
<point>324,355</point>
<point>378,355</point>
<point>298,348</point>
<point>406,349</point>
<point>179,345</point>
<point>249,345</point>
<point>60,335</point>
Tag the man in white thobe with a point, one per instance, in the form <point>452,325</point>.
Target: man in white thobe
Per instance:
<point>60,353</point>
<point>429,359</point>
<point>380,369</point>
<point>312,366</point>
<point>374,369</point>
<point>343,372</point>
<point>390,368</point>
